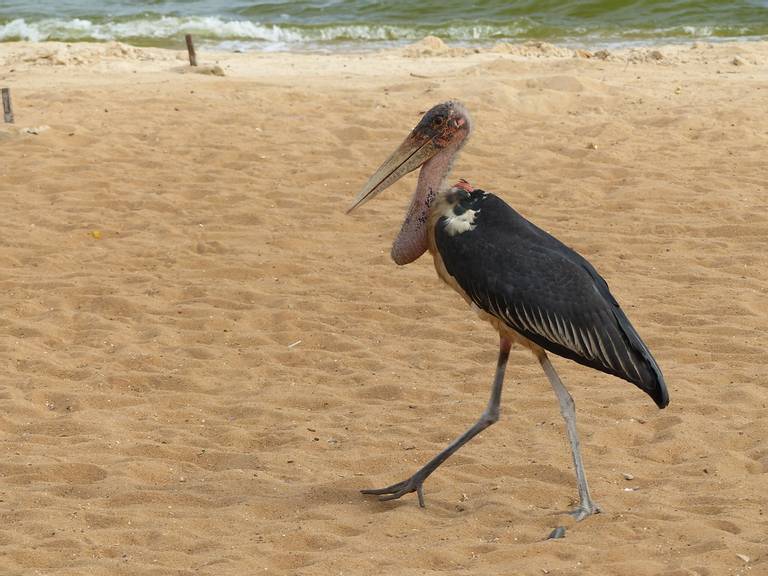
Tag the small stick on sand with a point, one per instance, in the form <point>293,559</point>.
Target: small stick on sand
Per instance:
<point>7,110</point>
<point>191,50</point>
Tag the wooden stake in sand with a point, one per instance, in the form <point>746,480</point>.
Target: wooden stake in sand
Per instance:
<point>7,110</point>
<point>191,50</point>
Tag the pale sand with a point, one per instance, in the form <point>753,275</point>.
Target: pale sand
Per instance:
<point>204,358</point>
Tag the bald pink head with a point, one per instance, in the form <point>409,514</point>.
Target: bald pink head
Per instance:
<point>433,145</point>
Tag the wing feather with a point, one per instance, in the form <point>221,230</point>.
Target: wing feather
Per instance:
<point>545,291</point>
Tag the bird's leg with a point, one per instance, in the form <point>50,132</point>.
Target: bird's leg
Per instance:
<point>491,415</point>
<point>568,409</point>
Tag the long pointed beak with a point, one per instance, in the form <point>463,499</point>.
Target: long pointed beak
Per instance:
<point>412,153</point>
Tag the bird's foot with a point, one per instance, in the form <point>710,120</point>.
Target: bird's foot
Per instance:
<point>585,509</point>
<point>414,484</point>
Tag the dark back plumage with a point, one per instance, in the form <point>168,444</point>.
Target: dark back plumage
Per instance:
<point>545,291</point>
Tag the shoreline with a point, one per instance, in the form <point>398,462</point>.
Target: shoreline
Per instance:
<point>374,47</point>
<point>436,43</point>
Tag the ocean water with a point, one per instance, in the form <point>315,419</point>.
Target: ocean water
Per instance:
<point>369,25</point>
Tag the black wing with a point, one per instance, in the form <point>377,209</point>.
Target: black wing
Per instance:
<point>545,291</point>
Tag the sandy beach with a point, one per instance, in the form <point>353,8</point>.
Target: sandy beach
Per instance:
<point>205,359</point>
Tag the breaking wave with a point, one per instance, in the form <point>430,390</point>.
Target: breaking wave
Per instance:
<point>241,34</point>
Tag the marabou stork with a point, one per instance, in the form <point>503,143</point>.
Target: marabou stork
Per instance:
<point>531,287</point>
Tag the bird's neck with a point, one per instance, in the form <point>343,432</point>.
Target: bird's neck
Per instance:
<point>413,241</point>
